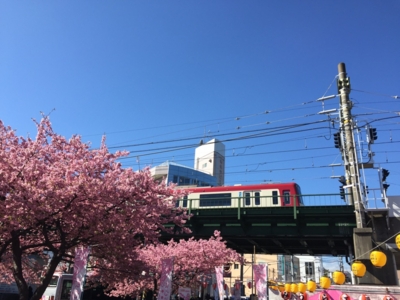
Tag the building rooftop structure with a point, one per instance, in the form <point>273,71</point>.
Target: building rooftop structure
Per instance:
<point>210,158</point>
<point>182,175</point>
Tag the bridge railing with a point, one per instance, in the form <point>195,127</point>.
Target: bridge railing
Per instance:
<point>323,199</point>
<point>264,201</point>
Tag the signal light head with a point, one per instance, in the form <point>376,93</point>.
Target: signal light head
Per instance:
<point>373,135</point>
<point>385,174</point>
<point>342,194</point>
<point>337,140</point>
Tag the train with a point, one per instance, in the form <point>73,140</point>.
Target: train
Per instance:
<point>256,195</point>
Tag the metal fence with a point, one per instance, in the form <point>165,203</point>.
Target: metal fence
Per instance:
<point>263,201</point>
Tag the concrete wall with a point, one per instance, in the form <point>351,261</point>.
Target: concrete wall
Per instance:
<point>394,206</point>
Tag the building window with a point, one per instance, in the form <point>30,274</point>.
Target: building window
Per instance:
<point>309,266</point>
<point>236,266</point>
<point>184,180</point>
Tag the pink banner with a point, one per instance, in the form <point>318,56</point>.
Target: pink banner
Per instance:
<point>237,289</point>
<point>260,279</point>
<point>78,279</point>
<point>219,272</point>
<point>167,265</point>
<point>185,292</point>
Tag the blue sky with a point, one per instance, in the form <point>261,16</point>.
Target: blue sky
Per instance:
<point>158,76</point>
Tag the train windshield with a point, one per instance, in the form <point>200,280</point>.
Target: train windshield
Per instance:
<point>298,192</point>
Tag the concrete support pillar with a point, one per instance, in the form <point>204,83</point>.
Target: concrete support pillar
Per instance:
<point>386,275</point>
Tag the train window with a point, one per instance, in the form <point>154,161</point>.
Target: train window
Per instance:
<point>257,198</point>
<point>215,199</point>
<point>286,197</point>
<point>184,202</point>
<point>274,197</point>
<point>247,198</point>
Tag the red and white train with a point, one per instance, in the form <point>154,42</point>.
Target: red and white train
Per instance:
<point>256,195</point>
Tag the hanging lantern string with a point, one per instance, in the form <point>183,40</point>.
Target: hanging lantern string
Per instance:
<point>377,246</point>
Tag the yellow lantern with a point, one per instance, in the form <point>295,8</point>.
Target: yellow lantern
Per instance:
<point>273,285</point>
<point>378,258</point>
<point>281,288</point>
<point>338,277</point>
<point>311,286</point>
<point>293,288</point>
<point>398,241</point>
<point>358,269</point>
<point>302,287</point>
<point>325,282</point>
<point>287,287</point>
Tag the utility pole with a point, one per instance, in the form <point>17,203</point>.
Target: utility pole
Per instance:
<point>349,149</point>
<point>362,235</point>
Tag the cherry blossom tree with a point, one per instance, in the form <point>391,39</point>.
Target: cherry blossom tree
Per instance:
<point>194,260</point>
<point>57,194</point>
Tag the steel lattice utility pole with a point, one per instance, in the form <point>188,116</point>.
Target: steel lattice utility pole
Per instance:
<point>349,150</point>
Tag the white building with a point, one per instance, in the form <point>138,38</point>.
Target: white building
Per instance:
<point>209,167</point>
<point>310,267</point>
<point>210,158</point>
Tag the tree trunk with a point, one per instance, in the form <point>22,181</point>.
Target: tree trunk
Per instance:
<point>55,260</point>
<point>23,288</point>
<point>17,266</point>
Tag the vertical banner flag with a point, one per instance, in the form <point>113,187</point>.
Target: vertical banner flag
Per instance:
<point>167,265</point>
<point>260,279</point>
<point>185,293</point>
<point>80,262</point>
<point>219,272</point>
<point>237,289</point>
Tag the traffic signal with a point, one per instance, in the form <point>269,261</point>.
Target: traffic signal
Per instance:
<point>336,138</point>
<point>373,135</point>
<point>342,180</point>
<point>342,194</point>
<point>385,186</point>
<point>385,174</point>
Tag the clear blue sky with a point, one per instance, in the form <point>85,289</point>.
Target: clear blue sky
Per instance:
<point>180,71</point>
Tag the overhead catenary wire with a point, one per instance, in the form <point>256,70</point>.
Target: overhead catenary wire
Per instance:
<point>245,140</point>
<point>219,120</point>
<point>377,94</point>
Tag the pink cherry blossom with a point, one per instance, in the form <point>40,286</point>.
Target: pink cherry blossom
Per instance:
<point>58,194</point>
